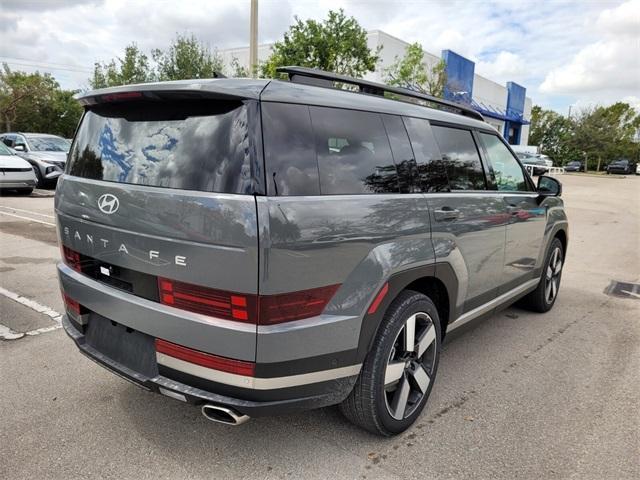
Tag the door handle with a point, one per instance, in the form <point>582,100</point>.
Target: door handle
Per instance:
<point>446,213</point>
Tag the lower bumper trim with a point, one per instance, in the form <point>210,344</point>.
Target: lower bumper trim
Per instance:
<point>340,388</point>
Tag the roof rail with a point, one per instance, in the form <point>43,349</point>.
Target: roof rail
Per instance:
<point>320,78</point>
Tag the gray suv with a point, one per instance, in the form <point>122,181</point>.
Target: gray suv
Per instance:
<point>263,246</point>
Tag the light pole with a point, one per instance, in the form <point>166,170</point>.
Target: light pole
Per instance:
<point>253,39</point>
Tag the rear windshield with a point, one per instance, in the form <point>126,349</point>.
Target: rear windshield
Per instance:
<point>189,145</point>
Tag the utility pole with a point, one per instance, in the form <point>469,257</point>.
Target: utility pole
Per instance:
<point>253,39</point>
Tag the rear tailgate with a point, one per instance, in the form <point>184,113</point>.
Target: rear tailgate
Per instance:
<point>159,190</point>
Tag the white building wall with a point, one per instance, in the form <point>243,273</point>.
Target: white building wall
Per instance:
<point>524,133</point>
<point>491,94</point>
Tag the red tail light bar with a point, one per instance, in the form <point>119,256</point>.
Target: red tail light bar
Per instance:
<point>207,360</point>
<point>71,258</point>
<point>240,307</point>
<point>257,309</point>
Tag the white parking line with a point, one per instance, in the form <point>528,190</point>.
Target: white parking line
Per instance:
<point>7,334</point>
<point>27,218</point>
<point>32,304</point>
<point>27,211</point>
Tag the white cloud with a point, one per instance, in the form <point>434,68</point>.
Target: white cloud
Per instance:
<point>505,66</point>
<point>610,64</point>
<point>544,46</point>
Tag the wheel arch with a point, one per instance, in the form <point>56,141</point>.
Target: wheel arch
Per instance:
<point>437,281</point>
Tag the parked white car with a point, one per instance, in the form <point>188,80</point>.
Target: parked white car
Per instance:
<point>15,173</point>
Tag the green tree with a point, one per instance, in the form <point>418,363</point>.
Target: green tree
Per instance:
<point>597,134</point>
<point>186,58</point>
<point>238,70</point>
<point>413,72</point>
<point>337,44</point>
<point>605,134</point>
<point>553,133</point>
<point>35,102</point>
<point>132,68</point>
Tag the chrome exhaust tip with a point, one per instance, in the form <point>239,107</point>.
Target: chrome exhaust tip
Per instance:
<point>220,414</point>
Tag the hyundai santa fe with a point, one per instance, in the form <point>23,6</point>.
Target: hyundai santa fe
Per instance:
<point>255,247</point>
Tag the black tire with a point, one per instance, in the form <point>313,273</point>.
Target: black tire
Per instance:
<point>39,178</point>
<point>368,405</point>
<point>539,300</point>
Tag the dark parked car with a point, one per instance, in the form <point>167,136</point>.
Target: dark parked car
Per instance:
<point>575,166</point>
<point>623,166</point>
<point>261,246</point>
<point>46,153</point>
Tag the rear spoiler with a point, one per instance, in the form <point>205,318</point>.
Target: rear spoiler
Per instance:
<point>220,88</point>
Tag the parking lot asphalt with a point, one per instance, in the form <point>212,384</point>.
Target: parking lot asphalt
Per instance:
<point>519,395</point>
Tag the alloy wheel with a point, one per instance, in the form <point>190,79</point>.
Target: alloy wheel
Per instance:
<point>410,366</point>
<point>552,275</point>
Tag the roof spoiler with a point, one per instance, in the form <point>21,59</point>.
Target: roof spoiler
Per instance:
<point>320,78</point>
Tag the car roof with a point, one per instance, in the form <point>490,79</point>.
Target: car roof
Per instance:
<point>289,92</point>
<point>32,134</point>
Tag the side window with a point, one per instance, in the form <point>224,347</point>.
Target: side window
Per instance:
<point>290,159</point>
<point>431,174</point>
<point>8,140</point>
<point>507,170</point>
<point>461,158</point>
<point>353,152</point>
<point>402,152</point>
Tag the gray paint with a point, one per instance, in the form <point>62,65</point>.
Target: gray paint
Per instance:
<point>215,233</point>
<point>272,245</point>
<point>222,337</point>
<point>357,241</point>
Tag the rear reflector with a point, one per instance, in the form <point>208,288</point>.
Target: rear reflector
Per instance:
<point>376,301</point>
<point>71,304</point>
<point>262,310</point>
<point>207,360</point>
<point>71,258</point>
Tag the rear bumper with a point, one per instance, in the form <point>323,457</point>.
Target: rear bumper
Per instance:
<point>284,385</point>
<point>334,392</point>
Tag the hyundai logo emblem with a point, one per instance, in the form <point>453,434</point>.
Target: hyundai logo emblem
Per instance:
<point>108,203</point>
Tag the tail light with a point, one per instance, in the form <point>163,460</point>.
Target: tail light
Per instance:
<point>287,307</point>
<point>261,310</point>
<point>203,359</point>
<point>217,303</point>
<point>122,96</point>
<point>71,258</point>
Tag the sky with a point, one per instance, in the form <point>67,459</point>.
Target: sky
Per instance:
<point>566,53</point>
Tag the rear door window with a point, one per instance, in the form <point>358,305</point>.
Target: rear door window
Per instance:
<point>431,173</point>
<point>290,156</point>
<point>192,145</point>
<point>461,158</point>
<point>353,152</point>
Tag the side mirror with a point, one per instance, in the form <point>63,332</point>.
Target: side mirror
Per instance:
<point>19,147</point>
<point>549,186</point>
